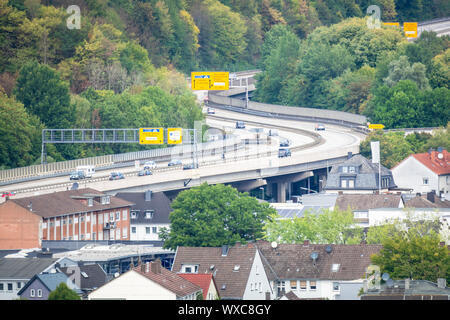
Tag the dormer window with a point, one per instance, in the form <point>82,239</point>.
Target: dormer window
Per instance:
<point>236,268</point>
<point>133,214</point>
<point>189,268</point>
<point>106,199</point>
<point>149,214</point>
<point>90,202</point>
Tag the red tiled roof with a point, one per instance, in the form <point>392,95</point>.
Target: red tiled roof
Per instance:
<point>202,280</point>
<point>432,162</point>
<point>169,280</point>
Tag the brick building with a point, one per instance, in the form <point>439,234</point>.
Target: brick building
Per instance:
<point>84,214</point>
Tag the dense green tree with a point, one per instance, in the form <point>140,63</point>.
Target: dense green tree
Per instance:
<point>401,70</point>
<point>214,216</point>
<point>413,254</point>
<point>18,133</point>
<point>45,95</point>
<point>440,70</point>
<point>393,147</point>
<point>440,138</point>
<point>63,292</point>
<point>329,226</point>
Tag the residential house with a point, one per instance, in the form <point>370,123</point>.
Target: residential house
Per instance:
<point>315,270</point>
<point>84,214</point>
<point>149,281</point>
<point>425,172</point>
<point>358,174</point>
<point>238,270</point>
<point>40,285</point>
<point>149,214</point>
<point>409,290</point>
<point>16,272</point>
<point>206,282</point>
<point>87,277</point>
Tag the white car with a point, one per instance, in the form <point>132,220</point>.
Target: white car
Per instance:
<point>149,165</point>
<point>211,111</point>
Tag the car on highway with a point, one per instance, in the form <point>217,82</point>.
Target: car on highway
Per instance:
<point>211,110</point>
<point>284,143</point>
<point>116,176</point>
<point>175,162</point>
<point>319,126</point>
<point>145,172</point>
<point>188,166</point>
<point>240,125</point>
<point>77,175</point>
<point>149,165</point>
<point>284,152</point>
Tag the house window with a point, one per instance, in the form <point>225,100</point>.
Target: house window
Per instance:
<point>106,217</point>
<point>147,230</point>
<point>344,169</point>
<point>118,234</point>
<point>118,215</point>
<point>335,286</point>
<point>94,236</point>
<point>10,286</point>
<point>32,293</point>
<point>133,229</point>
<point>293,284</point>
<point>155,229</point>
<point>64,222</point>
<point>352,169</point>
<point>90,202</point>
<point>425,180</point>
<point>312,285</point>
<point>2,287</point>
<point>302,284</point>
<point>124,233</point>
<point>190,268</point>
<point>106,200</point>
<point>81,219</point>
<point>82,237</point>
<point>19,285</point>
<point>111,217</point>
<point>133,214</point>
<point>149,214</point>
<point>124,214</point>
<point>39,293</point>
<point>100,219</point>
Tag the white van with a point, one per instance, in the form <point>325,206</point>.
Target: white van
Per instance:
<point>87,170</point>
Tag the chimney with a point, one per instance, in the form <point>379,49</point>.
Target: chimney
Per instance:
<point>433,156</point>
<point>267,295</point>
<point>237,244</point>
<point>30,206</point>
<point>441,283</point>
<point>363,242</point>
<point>306,242</point>
<point>349,155</point>
<point>147,267</point>
<point>156,266</point>
<point>407,283</point>
<point>142,267</point>
<point>148,195</point>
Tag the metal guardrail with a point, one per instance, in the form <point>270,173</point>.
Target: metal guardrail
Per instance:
<point>433,21</point>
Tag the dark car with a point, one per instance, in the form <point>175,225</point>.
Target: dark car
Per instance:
<point>116,176</point>
<point>284,153</point>
<point>188,166</point>
<point>175,162</point>
<point>284,143</point>
<point>240,125</point>
<point>77,175</point>
<point>144,172</point>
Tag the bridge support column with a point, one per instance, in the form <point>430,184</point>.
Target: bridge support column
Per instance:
<point>281,192</point>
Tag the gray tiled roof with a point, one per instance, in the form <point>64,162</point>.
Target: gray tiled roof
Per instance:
<point>159,203</point>
<point>368,201</point>
<point>96,277</point>
<point>365,179</point>
<point>53,280</point>
<point>23,268</point>
<point>293,261</point>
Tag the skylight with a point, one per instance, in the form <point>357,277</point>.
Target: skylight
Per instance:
<point>335,267</point>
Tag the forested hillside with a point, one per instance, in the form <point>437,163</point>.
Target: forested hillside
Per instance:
<point>127,64</point>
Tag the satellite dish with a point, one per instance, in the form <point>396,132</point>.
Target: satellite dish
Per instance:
<point>328,249</point>
<point>385,276</point>
<point>74,186</point>
<point>314,255</point>
<point>274,244</point>
<point>440,155</point>
<point>116,275</point>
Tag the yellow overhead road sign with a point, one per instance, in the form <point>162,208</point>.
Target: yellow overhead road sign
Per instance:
<point>174,135</point>
<point>151,135</point>
<point>376,126</point>
<point>210,80</point>
<point>410,29</point>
